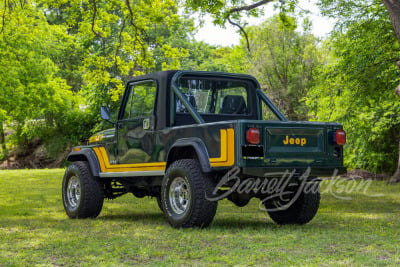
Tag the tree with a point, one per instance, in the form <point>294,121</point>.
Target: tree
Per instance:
<point>353,88</point>
<point>232,11</point>
<point>284,61</point>
<point>205,57</point>
<point>388,11</point>
<point>30,88</point>
<point>121,39</point>
<point>393,8</point>
<point>57,55</point>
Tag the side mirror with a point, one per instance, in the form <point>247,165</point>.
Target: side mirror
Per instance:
<point>105,114</point>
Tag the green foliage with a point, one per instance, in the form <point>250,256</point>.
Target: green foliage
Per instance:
<point>28,76</point>
<point>204,57</point>
<point>30,82</point>
<point>356,88</point>
<point>66,128</point>
<point>61,60</point>
<point>284,61</point>
<point>221,11</point>
<point>349,12</point>
<point>57,56</point>
<point>120,39</point>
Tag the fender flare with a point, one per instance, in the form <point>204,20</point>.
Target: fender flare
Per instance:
<point>86,155</point>
<point>200,149</point>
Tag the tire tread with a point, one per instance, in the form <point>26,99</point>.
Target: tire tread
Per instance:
<point>92,192</point>
<point>203,211</point>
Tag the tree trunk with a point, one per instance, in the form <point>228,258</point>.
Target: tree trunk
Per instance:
<point>3,142</point>
<point>396,176</point>
<point>397,90</point>
<point>393,8</point>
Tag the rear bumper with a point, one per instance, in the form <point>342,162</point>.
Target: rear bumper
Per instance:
<point>276,171</point>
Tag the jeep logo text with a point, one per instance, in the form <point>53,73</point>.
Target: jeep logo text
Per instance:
<point>294,141</point>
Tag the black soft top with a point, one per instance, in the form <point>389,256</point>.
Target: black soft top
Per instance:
<point>163,80</point>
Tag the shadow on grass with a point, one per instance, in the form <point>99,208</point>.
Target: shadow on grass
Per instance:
<point>333,214</point>
<point>134,216</point>
<point>242,223</point>
<point>218,223</point>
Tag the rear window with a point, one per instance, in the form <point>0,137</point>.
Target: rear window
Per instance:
<point>211,96</point>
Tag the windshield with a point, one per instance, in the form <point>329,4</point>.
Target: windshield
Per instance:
<point>212,96</point>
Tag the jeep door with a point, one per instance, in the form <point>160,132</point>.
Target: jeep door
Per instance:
<point>135,136</point>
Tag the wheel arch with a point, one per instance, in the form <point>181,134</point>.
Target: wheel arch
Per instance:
<point>190,148</point>
<point>87,155</point>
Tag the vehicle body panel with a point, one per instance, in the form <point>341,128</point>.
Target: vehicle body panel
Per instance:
<point>219,142</point>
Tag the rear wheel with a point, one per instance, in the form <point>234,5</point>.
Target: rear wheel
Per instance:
<point>301,211</point>
<point>83,194</point>
<point>184,195</point>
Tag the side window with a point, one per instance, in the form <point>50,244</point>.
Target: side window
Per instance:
<point>232,101</point>
<point>128,104</point>
<point>141,100</point>
<point>215,96</point>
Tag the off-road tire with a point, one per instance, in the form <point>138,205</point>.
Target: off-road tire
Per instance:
<point>82,194</point>
<point>301,211</point>
<point>159,203</point>
<point>197,187</point>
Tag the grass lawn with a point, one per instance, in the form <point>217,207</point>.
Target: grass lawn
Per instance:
<point>34,230</point>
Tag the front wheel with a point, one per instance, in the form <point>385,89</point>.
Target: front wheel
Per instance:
<point>82,194</point>
<point>184,194</point>
<point>159,203</point>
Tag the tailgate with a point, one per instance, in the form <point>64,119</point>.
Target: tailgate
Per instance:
<point>301,144</point>
<point>290,145</point>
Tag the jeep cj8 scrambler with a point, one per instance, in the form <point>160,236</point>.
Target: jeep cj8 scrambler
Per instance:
<point>190,138</point>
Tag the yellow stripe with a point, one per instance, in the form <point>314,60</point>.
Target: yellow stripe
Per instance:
<point>227,157</point>
<point>105,165</point>
<point>223,148</point>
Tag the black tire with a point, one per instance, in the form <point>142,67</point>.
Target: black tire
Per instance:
<point>301,211</point>
<point>189,206</point>
<point>239,200</point>
<point>159,202</point>
<point>83,194</point>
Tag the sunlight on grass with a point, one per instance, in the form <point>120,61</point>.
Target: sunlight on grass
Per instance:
<point>35,231</point>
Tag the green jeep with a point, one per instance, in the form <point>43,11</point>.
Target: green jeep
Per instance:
<point>191,138</point>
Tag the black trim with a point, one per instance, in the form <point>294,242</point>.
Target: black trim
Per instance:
<point>315,171</point>
<point>198,117</point>
<point>86,155</point>
<point>200,148</point>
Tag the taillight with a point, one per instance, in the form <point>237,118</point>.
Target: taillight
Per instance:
<point>253,136</point>
<point>340,137</point>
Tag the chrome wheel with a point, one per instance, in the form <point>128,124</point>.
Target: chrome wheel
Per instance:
<point>179,195</point>
<point>74,192</point>
<point>184,193</point>
<point>82,194</point>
